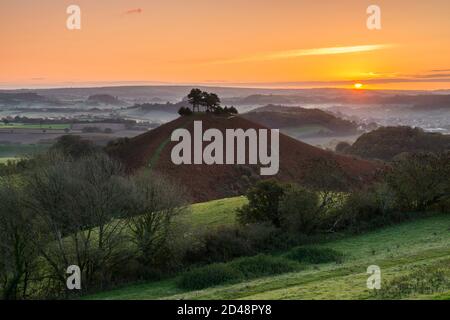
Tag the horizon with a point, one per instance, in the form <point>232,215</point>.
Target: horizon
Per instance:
<point>305,45</point>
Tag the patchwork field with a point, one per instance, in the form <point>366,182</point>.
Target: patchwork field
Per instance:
<point>34,126</point>
<point>400,251</point>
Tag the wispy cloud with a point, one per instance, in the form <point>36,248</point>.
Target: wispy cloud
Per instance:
<point>303,52</point>
<point>440,70</point>
<point>133,11</point>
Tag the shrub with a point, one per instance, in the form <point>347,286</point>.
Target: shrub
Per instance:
<point>264,265</point>
<point>184,111</point>
<point>220,245</point>
<point>315,255</point>
<point>263,200</point>
<point>209,276</point>
<point>342,147</point>
<point>424,280</point>
<point>299,210</point>
<point>420,181</point>
<point>364,210</point>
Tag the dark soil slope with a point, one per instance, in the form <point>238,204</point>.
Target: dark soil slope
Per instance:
<point>206,182</point>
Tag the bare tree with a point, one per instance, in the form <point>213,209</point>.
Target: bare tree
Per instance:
<point>77,205</point>
<point>157,202</point>
<point>17,257</point>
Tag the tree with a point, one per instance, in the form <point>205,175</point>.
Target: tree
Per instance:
<point>156,204</point>
<point>328,179</point>
<point>420,180</point>
<point>342,147</point>
<point>195,98</point>
<point>211,101</point>
<point>263,201</point>
<point>17,255</point>
<point>232,110</point>
<point>74,146</point>
<point>184,111</point>
<point>77,206</point>
<point>299,210</point>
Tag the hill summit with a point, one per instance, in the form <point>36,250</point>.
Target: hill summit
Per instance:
<point>206,182</point>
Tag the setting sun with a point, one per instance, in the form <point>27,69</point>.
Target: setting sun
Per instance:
<point>358,85</point>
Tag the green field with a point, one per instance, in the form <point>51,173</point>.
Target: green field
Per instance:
<point>43,126</point>
<point>17,150</point>
<point>397,250</point>
<point>216,212</point>
<point>6,159</point>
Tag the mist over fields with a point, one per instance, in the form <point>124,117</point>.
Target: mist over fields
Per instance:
<point>146,107</point>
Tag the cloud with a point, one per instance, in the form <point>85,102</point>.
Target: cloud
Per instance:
<point>433,75</point>
<point>441,70</point>
<point>134,11</point>
<point>304,52</point>
<point>344,82</point>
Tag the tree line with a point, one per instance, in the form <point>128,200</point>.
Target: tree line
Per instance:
<point>210,102</point>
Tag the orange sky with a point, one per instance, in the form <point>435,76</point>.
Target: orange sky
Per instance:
<point>283,43</point>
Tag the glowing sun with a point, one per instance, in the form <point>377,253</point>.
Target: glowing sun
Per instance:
<point>358,85</point>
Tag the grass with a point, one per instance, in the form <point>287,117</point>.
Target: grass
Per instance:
<point>216,212</point>
<point>14,150</point>
<point>6,159</point>
<point>154,159</point>
<point>43,126</point>
<point>398,250</point>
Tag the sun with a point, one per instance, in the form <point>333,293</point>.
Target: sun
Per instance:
<point>358,85</point>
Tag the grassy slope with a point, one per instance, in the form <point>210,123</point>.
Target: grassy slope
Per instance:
<point>395,249</point>
<point>216,212</point>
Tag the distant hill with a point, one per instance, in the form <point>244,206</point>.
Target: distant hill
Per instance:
<point>22,98</point>
<point>153,149</point>
<point>160,107</point>
<point>104,99</point>
<point>387,142</point>
<point>280,117</point>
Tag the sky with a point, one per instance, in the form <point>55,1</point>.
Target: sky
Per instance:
<point>257,43</point>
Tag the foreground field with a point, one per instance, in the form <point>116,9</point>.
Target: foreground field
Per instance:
<point>397,250</point>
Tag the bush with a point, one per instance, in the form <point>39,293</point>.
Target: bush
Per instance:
<point>235,271</point>
<point>299,210</point>
<point>184,111</point>
<point>315,255</point>
<point>220,245</point>
<point>424,280</point>
<point>209,276</point>
<point>420,181</point>
<point>227,243</point>
<point>263,265</point>
<point>364,210</point>
<point>342,147</point>
<point>263,200</point>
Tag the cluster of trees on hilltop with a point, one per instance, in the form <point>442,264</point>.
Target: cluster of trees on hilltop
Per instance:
<point>210,102</point>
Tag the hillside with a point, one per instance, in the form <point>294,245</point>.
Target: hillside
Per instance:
<point>279,117</point>
<point>153,149</point>
<point>387,142</point>
<point>401,251</point>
